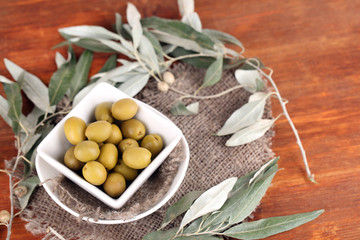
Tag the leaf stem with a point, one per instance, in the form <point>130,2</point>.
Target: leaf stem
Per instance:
<point>205,97</point>
<point>282,104</point>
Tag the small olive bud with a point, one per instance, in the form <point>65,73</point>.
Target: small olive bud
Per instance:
<point>4,216</point>
<point>169,77</point>
<point>163,86</point>
<point>20,191</point>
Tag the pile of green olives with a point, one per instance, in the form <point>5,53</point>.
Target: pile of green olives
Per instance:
<point>110,151</point>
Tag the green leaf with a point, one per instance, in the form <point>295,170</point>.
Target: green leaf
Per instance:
<point>245,116</point>
<point>213,73</point>
<point>251,133</point>
<point>60,81</point>
<point>118,23</point>
<point>84,31</point>
<point>32,86</point>
<point>161,235</point>
<point>91,44</point>
<point>239,193</point>
<point>14,99</point>
<point>179,109</point>
<point>179,29</point>
<point>30,184</point>
<point>222,37</point>
<point>154,41</point>
<point>80,76</point>
<point>199,62</point>
<point>210,201</point>
<point>148,53</point>
<point>252,199</point>
<point>133,16</point>
<point>250,79</point>
<point>255,61</point>
<point>110,64</point>
<point>135,85</point>
<point>200,237</point>
<point>193,20</point>
<point>4,109</point>
<point>180,207</point>
<point>270,226</point>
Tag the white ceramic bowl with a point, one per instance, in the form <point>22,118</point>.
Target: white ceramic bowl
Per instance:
<point>49,161</point>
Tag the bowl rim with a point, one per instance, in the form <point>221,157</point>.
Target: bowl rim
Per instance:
<point>173,188</point>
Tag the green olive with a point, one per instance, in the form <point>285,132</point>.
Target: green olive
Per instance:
<point>127,143</point>
<point>137,157</point>
<point>133,128</point>
<point>128,173</point>
<point>116,135</point>
<point>98,131</point>
<point>94,172</point>
<point>115,184</point>
<point>74,129</point>
<point>70,160</point>
<point>103,112</point>
<point>87,151</point>
<point>153,143</point>
<point>124,109</point>
<point>108,156</point>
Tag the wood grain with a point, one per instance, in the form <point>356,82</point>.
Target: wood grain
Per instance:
<point>313,47</point>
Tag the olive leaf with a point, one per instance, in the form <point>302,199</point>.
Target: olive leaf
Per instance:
<point>60,81</point>
<point>248,114</point>
<point>32,138</point>
<point>59,59</point>
<point>154,42</point>
<point>209,201</point>
<point>14,99</point>
<point>251,133</point>
<point>118,23</point>
<point>255,61</point>
<point>179,109</point>
<point>108,65</point>
<point>213,73</point>
<point>80,76</point>
<point>85,31</point>
<point>133,16</point>
<point>148,53</point>
<point>178,29</point>
<point>32,86</point>
<point>222,37</point>
<point>5,80</point>
<point>250,79</point>
<point>186,7</point>
<point>193,20</point>
<point>134,86</point>
<point>117,47</point>
<point>199,62</point>
<point>180,207</point>
<point>270,226</point>
<point>4,109</point>
<point>94,45</point>
<point>30,184</point>
<point>161,235</point>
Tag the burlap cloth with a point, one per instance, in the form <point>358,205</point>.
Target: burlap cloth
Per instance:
<point>210,163</point>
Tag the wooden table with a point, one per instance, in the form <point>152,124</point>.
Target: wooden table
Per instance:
<point>313,47</point>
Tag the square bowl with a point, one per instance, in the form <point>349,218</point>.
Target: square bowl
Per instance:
<point>52,149</point>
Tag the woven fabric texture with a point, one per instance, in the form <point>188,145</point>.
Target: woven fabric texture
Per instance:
<point>210,163</point>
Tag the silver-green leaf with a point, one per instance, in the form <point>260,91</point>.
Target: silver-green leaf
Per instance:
<point>135,85</point>
<point>213,73</point>
<point>270,226</point>
<point>148,52</point>
<point>118,23</point>
<point>250,79</point>
<point>80,76</point>
<point>32,86</point>
<point>248,114</point>
<point>180,207</point>
<point>30,185</point>
<point>85,31</point>
<point>60,82</point>
<point>14,99</point>
<point>222,37</point>
<point>4,109</point>
<point>179,109</point>
<point>133,16</point>
<point>250,133</point>
<point>209,201</point>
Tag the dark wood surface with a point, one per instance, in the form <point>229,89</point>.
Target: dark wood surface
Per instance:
<point>313,47</point>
